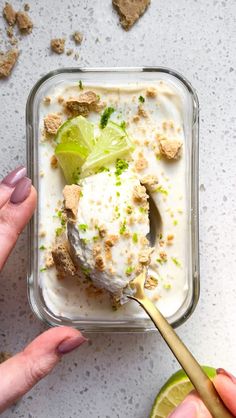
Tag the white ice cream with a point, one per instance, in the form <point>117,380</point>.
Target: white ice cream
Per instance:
<point>166,116</point>
<point>109,204</point>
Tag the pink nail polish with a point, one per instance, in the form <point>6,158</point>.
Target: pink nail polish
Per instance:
<point>185,410</point>
<point>16,175</point>
<point>22,191</point>
<point>227,374</point>
<point>71,344</point>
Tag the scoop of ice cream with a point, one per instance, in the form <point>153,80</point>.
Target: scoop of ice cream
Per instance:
<point>108,240</point>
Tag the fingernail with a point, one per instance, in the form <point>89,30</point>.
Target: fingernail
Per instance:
<point>227,374</point>
<point>22,190</point>
<point>185,410</point>
<point>71,344</point>
<point>12,178</point>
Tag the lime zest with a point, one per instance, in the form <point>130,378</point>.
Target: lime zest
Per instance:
<point>106,116</point>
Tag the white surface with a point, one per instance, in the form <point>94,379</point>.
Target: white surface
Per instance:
<point>119,375</point>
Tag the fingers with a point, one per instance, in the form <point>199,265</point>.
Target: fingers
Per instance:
<point>225,384</point>
<point>21,372</point>
<point>193,407</point>
<point>15,215</point>
<point>8,184</point>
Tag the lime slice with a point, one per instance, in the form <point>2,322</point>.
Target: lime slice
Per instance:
<point>174,391</point>
<point>112,144</point>
<point>71,156</point>
<point>77,130</point>
<point>75,140</point>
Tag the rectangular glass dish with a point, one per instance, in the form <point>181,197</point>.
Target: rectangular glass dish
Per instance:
<point>116,78</point>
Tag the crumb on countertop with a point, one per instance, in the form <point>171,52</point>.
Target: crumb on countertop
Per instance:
<point>24,22</point>
<point>7,61</point>
<point>78,37</point>
<point>10,14</point>
<point>130,11</point>
<point>51,123</point>
<point>58,45</point>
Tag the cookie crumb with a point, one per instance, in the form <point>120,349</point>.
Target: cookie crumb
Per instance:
<point>9,14</point>
<point>58,45</point>
<point>24,22</point>
<point>78,37</point>
<point>130,11</point>
<point>7,61</point>
<point>69,52</point>
<point>54,162</point>
<point>170,148</point>
<point>51,123</point>
<point>26,7</point>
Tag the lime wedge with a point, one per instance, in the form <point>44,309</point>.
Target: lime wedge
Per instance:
<point>75,140</point>
<point>71,156</point>
<point>77,130</point>
<point>174,391</point>
<point>112,144</point>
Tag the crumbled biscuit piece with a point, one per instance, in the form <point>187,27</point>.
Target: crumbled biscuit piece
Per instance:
<point>53,161</point>
<point>26,7</point>
<point>102,231</point>
<point>170,237</point>
<point>151,283</point>
<point>24,22</point>
<point>51,123</point>
<point>42,234</point>
<point>111,240</point>
<point>60,100</point>
<point>10,32</point>
<point>130,11</point>
<point>97,250</point>
<point>170,148</point>
<point>69,52</point>
<point>49,262</point>
<point>13,41</point>
<point>139,194</point>
<point>82,105</point>
<point>136,118</point>
<point>78,37</point>
<point>144,241</point>
<point>4,355</point>
<point>145,256</point>
<point>62,259</point>
<point>58,45</point>
<point>163,256</point>
<point>71,195</point>
<point>150,182</point>
<point>141,163</point>
<point>99,263</point>
<point>9,14</point>
<point>7,62</point>
<point>47,100</point>
<point>142,112</point>
<point>151,92</point>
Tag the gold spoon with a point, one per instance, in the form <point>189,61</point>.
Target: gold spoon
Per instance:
<point>199,379</point>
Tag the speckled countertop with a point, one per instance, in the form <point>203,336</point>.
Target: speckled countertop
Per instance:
<point>119,375</point>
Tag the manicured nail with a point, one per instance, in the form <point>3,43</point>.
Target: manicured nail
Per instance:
<point>185,410</point>
<point>71,344</point>
<point>22,190</point>
<point>16,175</point>
<point>227,374</point>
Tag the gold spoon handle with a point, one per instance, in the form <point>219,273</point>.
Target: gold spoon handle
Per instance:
<point>199,379</point>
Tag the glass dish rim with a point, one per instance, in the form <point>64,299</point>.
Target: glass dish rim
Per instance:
<point>126,325</point>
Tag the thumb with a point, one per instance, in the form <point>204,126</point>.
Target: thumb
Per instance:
<point>21,372</point>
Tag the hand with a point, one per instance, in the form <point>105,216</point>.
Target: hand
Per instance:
<point>21,372</point>
<point>193,407</point>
